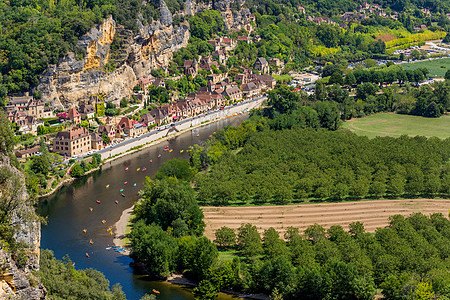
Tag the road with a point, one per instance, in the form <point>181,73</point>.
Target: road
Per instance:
<point>158,132</point>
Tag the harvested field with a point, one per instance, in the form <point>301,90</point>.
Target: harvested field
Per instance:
<point>386,37</point>
<point>372,214</point>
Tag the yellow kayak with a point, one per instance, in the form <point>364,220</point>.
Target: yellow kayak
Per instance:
<point>181,151</point>
<point>138,169</point>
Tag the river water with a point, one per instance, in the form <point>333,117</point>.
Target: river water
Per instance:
<point>68,213</point>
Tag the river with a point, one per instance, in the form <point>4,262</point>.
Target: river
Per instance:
<point>68,213</point>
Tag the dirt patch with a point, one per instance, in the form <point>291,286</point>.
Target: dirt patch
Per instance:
<point>373,214</point>
<point>386,37</point>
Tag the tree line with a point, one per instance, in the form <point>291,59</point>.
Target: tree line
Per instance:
<point>405,260</point>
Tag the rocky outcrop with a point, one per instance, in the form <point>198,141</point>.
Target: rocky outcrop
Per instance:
<point>113,74</point>
<point>16,278</point>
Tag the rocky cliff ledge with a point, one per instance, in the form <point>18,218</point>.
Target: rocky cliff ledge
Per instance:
<point>16,278</point>
<point>75,78</point>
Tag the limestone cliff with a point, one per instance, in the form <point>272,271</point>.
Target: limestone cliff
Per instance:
<point>113,72</point>
<point>16,278</point>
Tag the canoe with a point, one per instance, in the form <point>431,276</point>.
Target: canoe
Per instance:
<point>170,150</point>
<point>90,208</point>
<point>117,201</point>
<point>151,160</point>
<point>122,195</point>
<point>108,248</point>
<point>103,221</point>
<point>144,169</point>
<point>159,155</point>
<point>98,201</point>
<point>198,134</point>
<point>134,185</point>
<point>126,169</point>
<point>181,151</point>
<point>125,182</point>
<point>87,255</point>
<point>107,186</point>
<point>155,291</point>
<point>84,230</point>
<point>91,242</point>
<point>138,169</point>
<point>121,190</point>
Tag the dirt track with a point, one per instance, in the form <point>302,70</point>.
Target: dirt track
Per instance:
<point>373,214</point>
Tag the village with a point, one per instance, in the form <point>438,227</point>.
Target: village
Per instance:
<point>85,128</point>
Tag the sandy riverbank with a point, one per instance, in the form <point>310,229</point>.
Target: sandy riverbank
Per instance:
<point>120,229</point>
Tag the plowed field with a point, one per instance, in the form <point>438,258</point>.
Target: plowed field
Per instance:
<point>372,214</point>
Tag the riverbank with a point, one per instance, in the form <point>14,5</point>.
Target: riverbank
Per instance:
<point>121,228</point>
<point>131,148</point>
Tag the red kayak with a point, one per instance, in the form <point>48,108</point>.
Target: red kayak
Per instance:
<point>87,255</point>
<point>117,201</point>
<point>98,201</point>
<point>125,182</point>
<point>123,195</point>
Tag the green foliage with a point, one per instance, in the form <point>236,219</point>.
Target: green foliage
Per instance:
<point>166,200</point>
<point>249,240</point>
<point>205,24</point>
<point>267,168</point>
<point>76,171</point>
<point>178,168</point>
<point>6,134</point>
<point>225,236</point>
<point>63,281</point>
<point>206,291</point>
<point>154,247</point>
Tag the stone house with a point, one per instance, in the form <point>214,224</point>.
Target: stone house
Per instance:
<point>26,153</point>
<point>158,82</point>
<point>144,83</point>
<point>221,56</point>
<point>128,128</point>
<point>74,116</point>
<point>234,93</point>
<point>148,119</point>
<point>262,65</point>
<point>191,67</point>
<point>109,130</point>
<point>87,111</point>
<point>73,142</point>
<point>96,141</point>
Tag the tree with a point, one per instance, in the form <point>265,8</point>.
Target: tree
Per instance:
<point>123,102</point>
<point>447,75</point>
<point>40,165</point>
<point>315,233</point>
<point>76,170</point>
<point>206,291</point>
<point>166,200</point>
<point>106,139</point>
<point>336,78</point>
<point>6,134</point>
<point>154,247</point>
<point>249,240</point>
<point>178,168</point>
<point>273,245</point>
<point>350,79</point>
<point>204,255</point>
<point>225,237</point>
<point>283,100</point>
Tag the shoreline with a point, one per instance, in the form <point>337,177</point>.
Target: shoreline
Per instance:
<point>120,229</point>
<point>141,147</point>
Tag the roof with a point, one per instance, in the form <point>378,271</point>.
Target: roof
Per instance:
<point>262,61</point>
<point>125,123</point>
<point>87,109</point>
<point>73,134</point>
<point>73,113</point>
<point>95,137</point>
<point>242,38</point>
<point>27,151</point>
<point>105,128</point>
<point>19,100</point>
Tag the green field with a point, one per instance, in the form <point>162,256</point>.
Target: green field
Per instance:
<point>434,66</point>
<point>391,124</point>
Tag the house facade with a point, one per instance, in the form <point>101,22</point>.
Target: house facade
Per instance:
<point>73,142</point>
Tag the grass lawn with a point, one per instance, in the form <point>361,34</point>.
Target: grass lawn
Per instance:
<point>228,254</point>
<point>434,66</point>
<point>391,124</point>
<point>283,78</point>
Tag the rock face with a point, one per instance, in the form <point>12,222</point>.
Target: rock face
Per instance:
<point>16,278</point>
<point>113,73</point>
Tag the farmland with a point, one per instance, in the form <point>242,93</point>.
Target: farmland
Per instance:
<point>436,67</point>
<point>390,124</point>
<point>372,214</point>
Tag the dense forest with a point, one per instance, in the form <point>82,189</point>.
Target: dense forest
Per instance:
<point>406,260</point>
